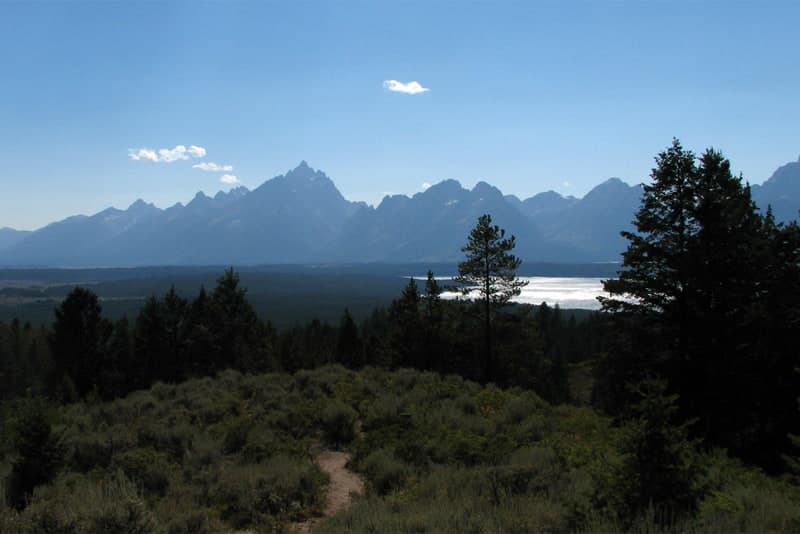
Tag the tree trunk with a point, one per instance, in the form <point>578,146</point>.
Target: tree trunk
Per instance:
<point>489,363</point>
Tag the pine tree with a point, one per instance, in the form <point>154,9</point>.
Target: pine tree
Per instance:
<point>432,324</point>
<point>692,304</point>
<point>38,454</point>
<point>115,373</point>
<point>660,469</point>
<point>348,345</point>
<point>404,314</point>
<point>149,343</point>
<point>199,345</point>
<point>235,325</point>
<point>490,269</point>
<point>175,309</point>
<point>77,340</point>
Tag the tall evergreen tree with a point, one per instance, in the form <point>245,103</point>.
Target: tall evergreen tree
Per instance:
<point>405,337</point>
<point>114,375</point>
<point>348,345</point>
<point>661,468</point>
<point>199,343</point>
<point>235,326</point>
<point>149,343</point>
<point>175,309</point>
<point>77,340</point>
<point>690,303</point>
<point>38,454</point>
<point>491,270</point>
<point>432,324</point>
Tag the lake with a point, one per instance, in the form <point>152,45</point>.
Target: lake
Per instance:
<point>574,293</point>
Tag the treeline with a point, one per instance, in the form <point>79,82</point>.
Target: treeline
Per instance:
<point>83,354</point>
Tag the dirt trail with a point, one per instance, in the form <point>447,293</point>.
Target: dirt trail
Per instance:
<point>343,483</point>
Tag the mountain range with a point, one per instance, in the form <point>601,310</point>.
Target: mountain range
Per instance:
<point>301,217</point>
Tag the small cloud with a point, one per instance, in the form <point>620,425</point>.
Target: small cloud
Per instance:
<point>410,88</point>
<point>212,167</point>
<point>229,179</point>
<point>568,185</point>
<point>146,154</point>
<point>425,186</point>
<point>166,155</point>
<point>196,151</point>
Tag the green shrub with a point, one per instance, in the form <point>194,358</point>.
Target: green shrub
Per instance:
<point>89,450</point>
<point>204,452</point>
<point>247,494</point>
<point>88,506</point>
<point>338,423</point>
<point>236,435</point>
<point>520,408</point>
<point>384,471</point>
<point>172,439</point>
<point>147,467</point>
<point>183,514</point>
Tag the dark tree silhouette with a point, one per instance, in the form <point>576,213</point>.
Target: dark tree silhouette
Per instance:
<point>38,454</point>
<point>694,303</point>
<point>491,270</point>
<point>348,346</point>
<point>78,339</point>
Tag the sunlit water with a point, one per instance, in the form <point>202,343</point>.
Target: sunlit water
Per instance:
<point>575,293</point>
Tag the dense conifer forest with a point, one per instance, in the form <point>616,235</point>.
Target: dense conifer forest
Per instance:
<point>675,408</point>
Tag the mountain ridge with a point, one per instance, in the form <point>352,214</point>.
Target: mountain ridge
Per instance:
<point>301,216</point>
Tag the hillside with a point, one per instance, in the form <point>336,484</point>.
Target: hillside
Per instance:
<point>438,454</point>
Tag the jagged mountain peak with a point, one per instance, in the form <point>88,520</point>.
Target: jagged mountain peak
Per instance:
<point>610,188</point>
<point>483,188</point>
<point>140,206</point>
<point>612,182</point>
<point>199,197</point>
<point>304,172</point>
<point>443,188</point>
<point>785,175</point>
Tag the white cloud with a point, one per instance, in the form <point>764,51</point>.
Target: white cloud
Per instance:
<point>196,151</point>
<point>228,179</point>
<point>166,155</point>
<point>142,154</point>
<point>410,88</point>
<point>567,185</point>
<point>210,166</point>
<point>425,186</point>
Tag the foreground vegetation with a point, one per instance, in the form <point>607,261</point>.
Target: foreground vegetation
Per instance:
<point>439,454</point>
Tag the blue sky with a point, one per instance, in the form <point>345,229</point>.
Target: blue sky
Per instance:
<point>529,96</point>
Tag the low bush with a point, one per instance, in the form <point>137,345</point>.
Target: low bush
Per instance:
<point>384,471</point>
<point>148,468</point>
<point>338,423</point>
<point>88,506</point>
<point>248,495</point>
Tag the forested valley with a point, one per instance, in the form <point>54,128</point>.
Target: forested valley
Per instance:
<point>675,408</point>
